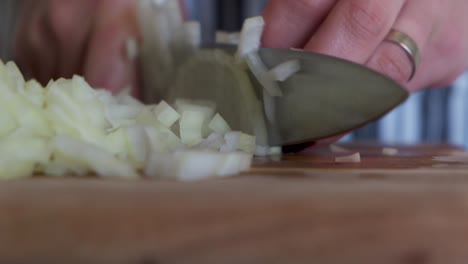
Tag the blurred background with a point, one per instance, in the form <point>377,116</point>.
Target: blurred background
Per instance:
<point>437,115</point>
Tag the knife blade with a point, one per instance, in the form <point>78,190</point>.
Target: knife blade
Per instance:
<point>327,97</point>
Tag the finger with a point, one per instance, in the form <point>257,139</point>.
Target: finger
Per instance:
<point>107,64</point>
<point>289,24</point>
<point>355,28</point>
<point>36,42</point>
<point>70,22</point>
<point>41,42</point>
<point>23,54</point>
<point>417,21</point>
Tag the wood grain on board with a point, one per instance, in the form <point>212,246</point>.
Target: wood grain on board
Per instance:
<point>405,209</point>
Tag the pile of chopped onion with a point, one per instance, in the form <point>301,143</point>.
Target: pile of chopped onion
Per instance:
<point>69,128</point>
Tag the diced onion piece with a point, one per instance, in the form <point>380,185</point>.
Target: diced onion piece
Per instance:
<point>219,125</point>
<point>261,73</point>
<point>98,160</point>
<point>354,158</point>
<point>232,142</point>
<point>7,123</point>
<point>250,37</point>
<point>223,37</point>
<point>15,169</point>
<point>191,127</point>
<point>106,97</point>
<point>235,163</point>
<point>20,155</point>
<point>147,117</point>
<point>118,115</point>
<point>337,149</point>
<point>297,49</point>
<point>264,151</point>
<point>275,151</point>
<point>237,141</point>
<point>205,111</point>
<point>162,139</point>
<point>34,92</point>
<point>206,107</point>
<point>138,144</point>
<point>390,151</point>
<point>132,48</point>
<point>116,142</point>
<point>285,70</point>
<point>15,75</point>
<point>246,143</point>
<point>213,142</point>
<point>193,32</point>
<point>196,165</point>
<point>61,166</point>
<point>165,114</point>
<point>185,166</point>
<point>28,148</point>
<point>125,97</point>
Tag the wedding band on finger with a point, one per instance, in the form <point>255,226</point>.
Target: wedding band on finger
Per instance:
<point>409,46</point>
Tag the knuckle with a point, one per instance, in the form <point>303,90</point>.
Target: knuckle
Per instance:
<point>365,19</point>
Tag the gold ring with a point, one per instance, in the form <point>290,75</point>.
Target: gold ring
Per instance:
<point>409,46</point>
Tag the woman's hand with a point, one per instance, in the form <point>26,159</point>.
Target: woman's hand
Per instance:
<point>59,38</point>
<point>356,30</point>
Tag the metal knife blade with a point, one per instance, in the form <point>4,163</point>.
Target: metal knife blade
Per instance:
<point>328,97</point>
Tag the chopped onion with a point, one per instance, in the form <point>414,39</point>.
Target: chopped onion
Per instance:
<point>237,141</point>
<point>219,125</point>
<point>202,111</point>
<point>138,144</point>
<point>235,163</point>
<point>285,70</point>
<point>263,151</point>
<point>354,158</point>
<point>246,143</point>
<point>132,48</point>
<point>213,142</point>
<point>69,128</point>
<point>223,37</point>
<point>16,169</point>
<point>261,73</point>
<point>165,114</point>
<point>250,36</point>
<point>297,49</point>
<point>195,165</point>
<point>390,151</point>
<point>98,160</point>
<point>7,123</point>
<point>193,32</point>
<point>191,127</point>
<point>232,142</point>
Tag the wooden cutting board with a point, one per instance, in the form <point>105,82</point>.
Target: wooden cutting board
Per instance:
<point>405,209</point>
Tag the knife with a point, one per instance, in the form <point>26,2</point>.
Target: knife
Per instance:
<point>327,97</point>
